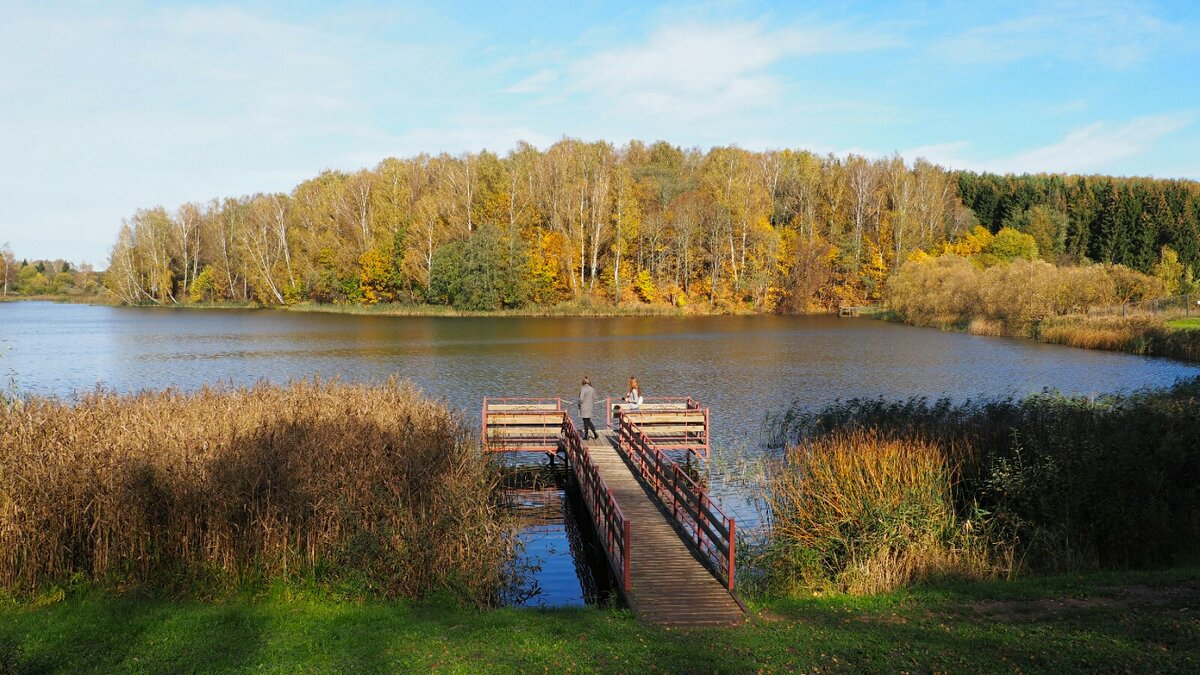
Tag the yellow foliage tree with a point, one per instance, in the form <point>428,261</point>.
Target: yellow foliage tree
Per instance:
<point>377,277</point>
<point>971,245</point>
<point>643,285</point>
<point>542,268</point>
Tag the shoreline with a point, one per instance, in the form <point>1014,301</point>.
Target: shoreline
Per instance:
<point>563,310</point>
<point>1138,335</point>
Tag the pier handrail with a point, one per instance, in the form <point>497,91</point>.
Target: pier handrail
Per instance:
<point>711,531</point>
<point>611,525</point>
<point>539,414</point>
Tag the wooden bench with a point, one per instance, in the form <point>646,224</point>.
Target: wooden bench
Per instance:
<point>672,429</point>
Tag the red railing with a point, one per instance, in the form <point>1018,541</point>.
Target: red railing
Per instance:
<point>611,525</point>
<point>649,403</point>
<point>671,422</point>
<point>519,424</point>
<point>709,529</point>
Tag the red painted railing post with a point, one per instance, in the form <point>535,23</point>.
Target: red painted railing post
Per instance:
<point>628,554</point>
<point>732,550</point>
<point>675,492</point>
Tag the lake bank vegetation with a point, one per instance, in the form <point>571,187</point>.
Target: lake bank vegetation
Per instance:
<point>727,230</point>
<point>371,488</point>
<point>996,285</point>
<point>873,494</point>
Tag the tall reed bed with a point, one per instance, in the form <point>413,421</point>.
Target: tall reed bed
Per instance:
<point>1049,482</point>
<point>376,486</point>
<point>864,513</point>
<point>1146,334</point>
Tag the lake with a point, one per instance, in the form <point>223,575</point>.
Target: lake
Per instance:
<point>741,367</point>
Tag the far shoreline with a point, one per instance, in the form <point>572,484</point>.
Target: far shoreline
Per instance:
<point>561,310</point>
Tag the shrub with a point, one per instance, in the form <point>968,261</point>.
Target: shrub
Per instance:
<point>1068,481</point>
<point>950,291</point>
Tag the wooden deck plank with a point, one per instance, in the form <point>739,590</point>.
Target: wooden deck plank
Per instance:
<point>668,584</point>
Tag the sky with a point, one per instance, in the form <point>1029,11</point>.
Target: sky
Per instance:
<point>108,107</point>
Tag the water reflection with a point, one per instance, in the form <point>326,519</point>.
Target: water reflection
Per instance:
<point>563,562</point>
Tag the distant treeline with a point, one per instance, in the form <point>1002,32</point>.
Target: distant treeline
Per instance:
<point>45,277</point>
<point>1125,221</point>
<point>726,229</point>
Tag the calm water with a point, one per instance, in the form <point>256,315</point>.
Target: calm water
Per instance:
<point>740,367</point>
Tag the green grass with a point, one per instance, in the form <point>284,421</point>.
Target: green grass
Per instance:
<point>1139,622</point>
<point>1184,324</point>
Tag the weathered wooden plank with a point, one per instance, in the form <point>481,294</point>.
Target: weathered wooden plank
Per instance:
<point>523,432</point>
<point>525,418</point>
<point>642,418</point>
<point>533,407</point>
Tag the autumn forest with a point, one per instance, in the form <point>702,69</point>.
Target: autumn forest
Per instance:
<point>723,230</point>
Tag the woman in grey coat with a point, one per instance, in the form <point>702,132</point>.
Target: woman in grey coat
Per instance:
<point>586,401</point>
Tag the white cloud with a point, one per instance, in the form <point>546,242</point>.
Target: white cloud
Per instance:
<point>127,109</point>
<point>1097,145</point>
<point>692,71</point>
<point>1113,34</point>
<point>1092,148</point>
<point>943,154</point>
<point>535,83</point>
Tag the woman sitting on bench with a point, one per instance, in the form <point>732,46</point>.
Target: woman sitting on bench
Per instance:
<point>634,397</point>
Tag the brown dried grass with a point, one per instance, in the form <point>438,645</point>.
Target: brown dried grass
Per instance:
<point>988,327</point>
<point>375,484</point>
<point>866,513</point>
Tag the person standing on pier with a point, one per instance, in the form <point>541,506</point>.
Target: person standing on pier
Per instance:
<point>587,400</point>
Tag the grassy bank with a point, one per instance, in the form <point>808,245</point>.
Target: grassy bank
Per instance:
<point>562,309</point>
<point>1184,324</point>
<point>1141,334</point>
<point>371,488</point>
<point>1132,622</point>
<point>68,298</point>
<point>1148,335</point>
<point>575,308</point>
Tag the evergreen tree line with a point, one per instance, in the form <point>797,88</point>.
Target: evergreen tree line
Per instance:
<point>727,229</point>
<point>1079,219</point>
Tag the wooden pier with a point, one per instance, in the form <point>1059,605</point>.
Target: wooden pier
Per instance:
<point>671,549</point>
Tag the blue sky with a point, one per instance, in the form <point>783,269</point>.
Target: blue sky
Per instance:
<point>106,107</point>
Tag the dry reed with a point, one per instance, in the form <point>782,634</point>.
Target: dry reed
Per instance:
<point>866,513</point>
<point>374,484</point>
<point>988,327</point>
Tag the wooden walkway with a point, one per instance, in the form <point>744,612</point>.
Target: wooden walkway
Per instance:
<point>669,585</point>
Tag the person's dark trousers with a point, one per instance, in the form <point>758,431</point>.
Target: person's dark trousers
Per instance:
<point>587,424</point>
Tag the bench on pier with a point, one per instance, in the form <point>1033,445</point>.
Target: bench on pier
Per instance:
<point>522,424</point>
<point>672,424</point>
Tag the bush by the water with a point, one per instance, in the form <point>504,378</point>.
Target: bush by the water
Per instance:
<point>865,513</point>
<point>1060,482</point>
<point>951,291</point>
<point>376,487</point>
